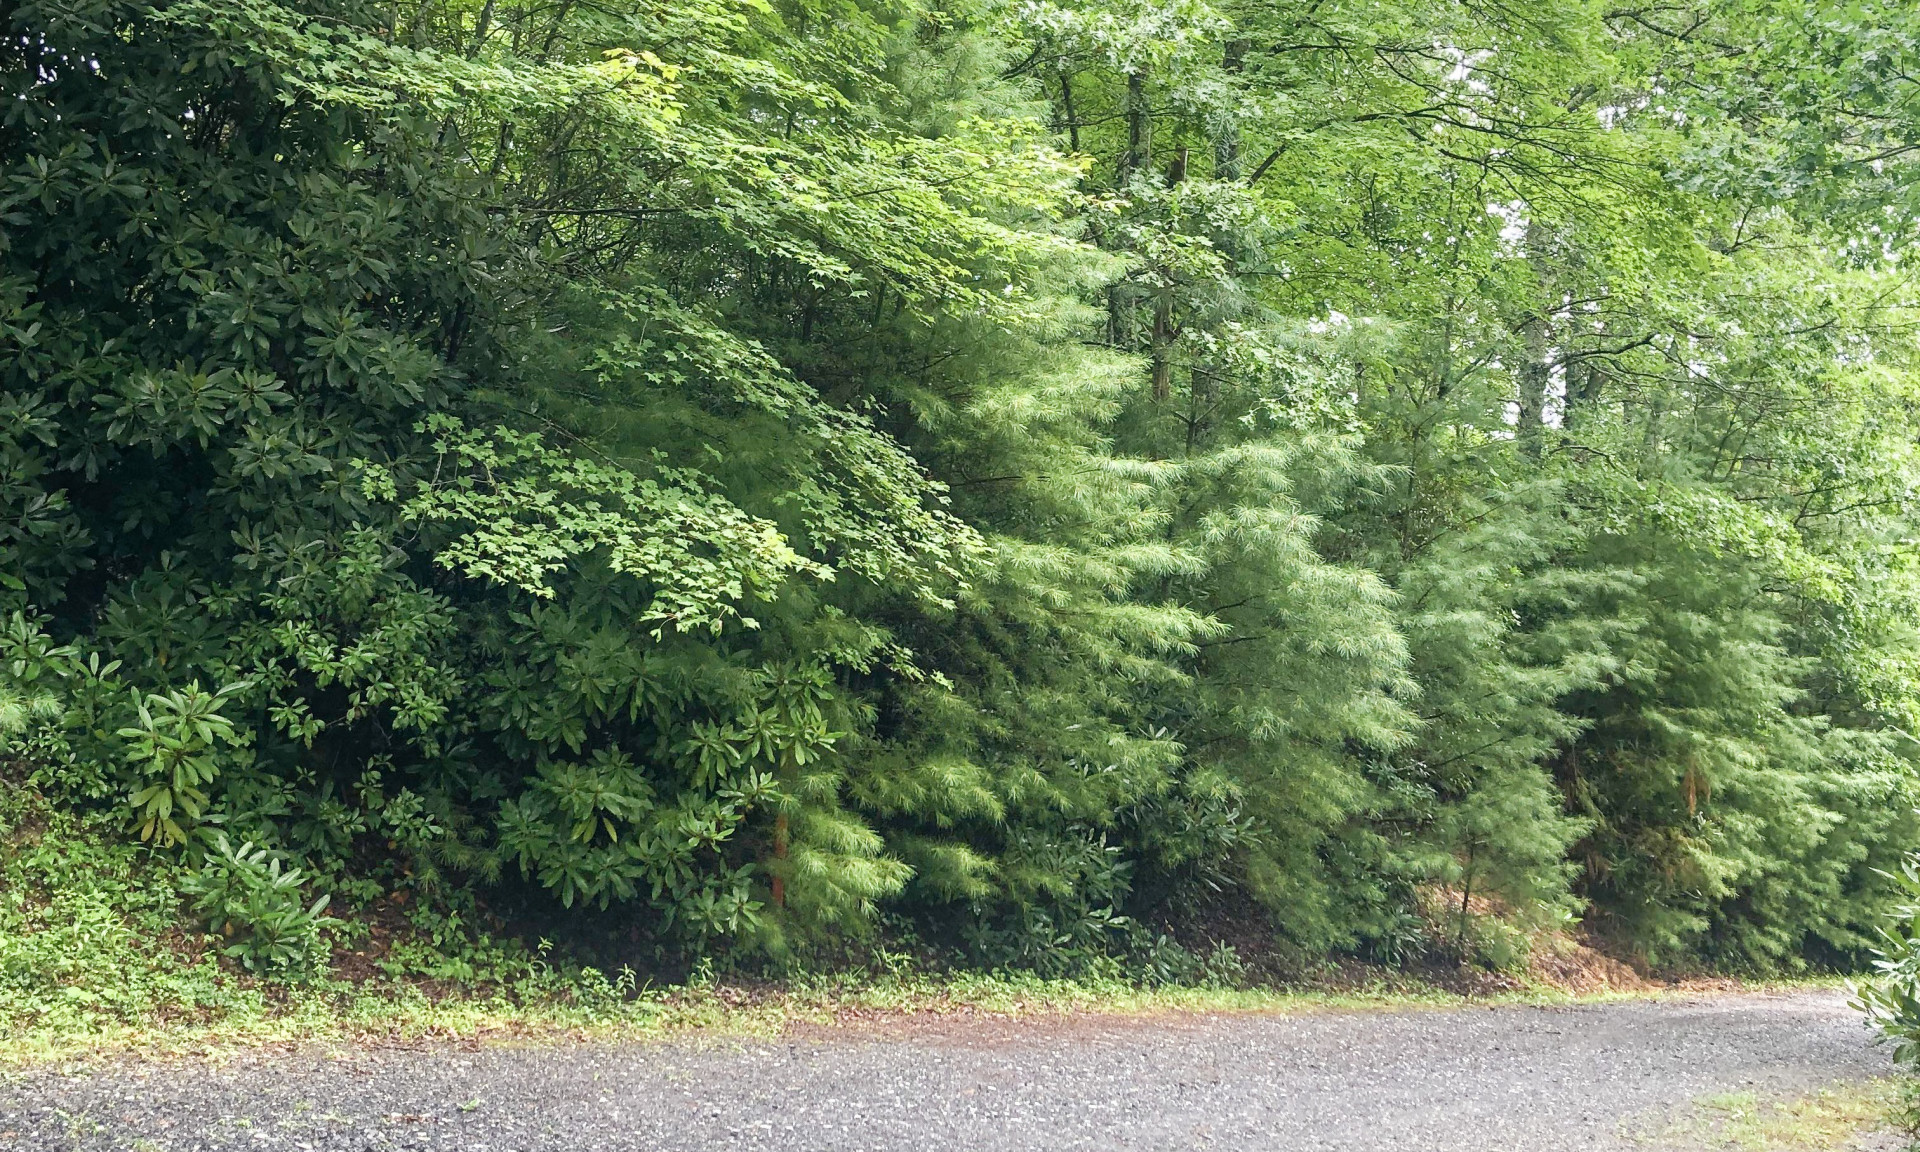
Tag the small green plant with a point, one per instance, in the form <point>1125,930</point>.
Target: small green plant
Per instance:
<point>174,746</point>
<point>248,897</point>
<point>1891,997</point>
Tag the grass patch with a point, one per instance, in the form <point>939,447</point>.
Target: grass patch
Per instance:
<point>229,1012</point>
<point>1840,1116</point>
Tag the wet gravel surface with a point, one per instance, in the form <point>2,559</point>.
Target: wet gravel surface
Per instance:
<point>1550,1079</point>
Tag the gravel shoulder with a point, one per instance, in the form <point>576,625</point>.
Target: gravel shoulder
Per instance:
<point>1458,1080</point>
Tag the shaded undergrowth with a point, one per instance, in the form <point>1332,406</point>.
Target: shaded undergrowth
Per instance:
<point>101,952</point>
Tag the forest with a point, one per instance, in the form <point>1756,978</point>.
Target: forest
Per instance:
<point>1061,482</point>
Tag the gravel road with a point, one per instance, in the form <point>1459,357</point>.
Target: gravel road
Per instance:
<point>1473,1080</point>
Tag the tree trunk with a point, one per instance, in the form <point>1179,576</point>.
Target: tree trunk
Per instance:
<point>1139,151</point>
<point>1226,142</point>
<point>1162,344</point>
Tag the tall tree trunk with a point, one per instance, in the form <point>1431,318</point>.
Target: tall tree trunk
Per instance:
<point>1536,373</point>
<point>1592,377</point>
<point>1162,343</point>
<point>1226,142</point>
<point>1536,370</point>
<point>1139,151</point>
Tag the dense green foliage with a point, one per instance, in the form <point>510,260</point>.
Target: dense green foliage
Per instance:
<point>1891,999</point>
<point>731,475</point>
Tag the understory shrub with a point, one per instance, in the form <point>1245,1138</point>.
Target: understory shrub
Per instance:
<point>246,896</point>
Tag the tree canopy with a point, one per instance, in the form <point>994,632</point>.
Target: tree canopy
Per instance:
<point>747,474</point>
